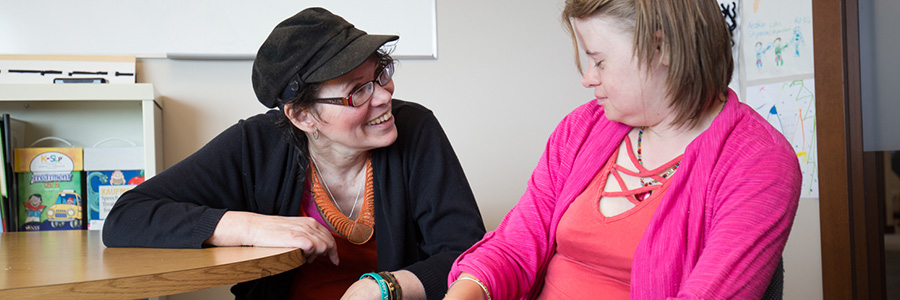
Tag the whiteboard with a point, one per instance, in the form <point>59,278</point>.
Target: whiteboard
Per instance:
<point>194,29</point>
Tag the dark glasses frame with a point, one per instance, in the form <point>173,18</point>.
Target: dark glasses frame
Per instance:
<point>364,93</point>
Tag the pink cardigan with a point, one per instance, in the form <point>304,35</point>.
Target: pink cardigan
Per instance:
<point>718,232</point>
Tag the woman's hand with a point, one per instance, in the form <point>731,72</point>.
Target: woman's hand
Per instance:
<point>237,228</point>
<point>366,288</point>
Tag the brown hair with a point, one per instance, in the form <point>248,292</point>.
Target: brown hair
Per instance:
<point>695,37</point>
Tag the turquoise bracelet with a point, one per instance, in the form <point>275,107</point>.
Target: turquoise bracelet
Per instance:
<point>385,295</point>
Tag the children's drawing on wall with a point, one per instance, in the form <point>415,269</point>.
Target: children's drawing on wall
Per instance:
<point>779,48</point>
<point>775,35</point>
<point>797,40</point>
<point>730,9</point>
<point>758,48</point>
<point>790,108</point>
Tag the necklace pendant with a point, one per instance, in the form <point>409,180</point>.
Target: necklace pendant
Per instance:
<point>360,233</point>
<point>643,196</point>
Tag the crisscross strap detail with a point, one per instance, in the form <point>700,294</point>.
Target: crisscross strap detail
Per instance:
<point>636,195</point>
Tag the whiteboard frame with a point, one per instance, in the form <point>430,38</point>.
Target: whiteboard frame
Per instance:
<point>195,29</point>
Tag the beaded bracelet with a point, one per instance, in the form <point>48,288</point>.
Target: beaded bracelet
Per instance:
<point>392,284</point>
<point>487,294</point>
<point>385,295</point>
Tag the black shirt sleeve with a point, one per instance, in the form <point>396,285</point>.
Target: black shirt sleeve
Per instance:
<point>181,206</point>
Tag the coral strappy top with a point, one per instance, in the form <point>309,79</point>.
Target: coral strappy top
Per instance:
<point>594,252</point>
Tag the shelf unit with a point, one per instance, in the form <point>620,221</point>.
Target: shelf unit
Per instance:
<point>84,114</point>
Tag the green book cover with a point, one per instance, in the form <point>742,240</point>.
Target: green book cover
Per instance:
<point>49,188</point>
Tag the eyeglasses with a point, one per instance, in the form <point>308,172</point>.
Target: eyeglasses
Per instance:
<point>365,92</point>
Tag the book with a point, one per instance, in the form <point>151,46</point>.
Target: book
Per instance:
<point>111,171</point>
<point>4,197</point>
<point>49,188</point>
<point>3,184</point>
<point>13,135</point>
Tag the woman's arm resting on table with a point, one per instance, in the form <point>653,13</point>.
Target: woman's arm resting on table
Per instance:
<point>238,228</point>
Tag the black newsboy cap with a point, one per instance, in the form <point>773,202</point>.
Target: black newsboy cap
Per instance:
<point>312,46</point>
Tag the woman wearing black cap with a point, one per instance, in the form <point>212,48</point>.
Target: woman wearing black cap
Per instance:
<point>339,169</point>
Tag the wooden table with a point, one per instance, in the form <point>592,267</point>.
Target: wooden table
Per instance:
<point>75,264</point>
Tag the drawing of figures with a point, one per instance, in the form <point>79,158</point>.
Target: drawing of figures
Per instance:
<point>779,61</point>
<point>759,52</point>
<point>798,40</point>
<point>775,31</point>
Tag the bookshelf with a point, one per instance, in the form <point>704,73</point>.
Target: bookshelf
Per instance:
<point>84,114</point>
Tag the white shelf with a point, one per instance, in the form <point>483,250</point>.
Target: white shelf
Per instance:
<point>87,113</point>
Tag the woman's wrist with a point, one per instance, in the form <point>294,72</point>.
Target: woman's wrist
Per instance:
<point>411,285</point>
<point>401,284</point>
<point>394,289</point>
<point>232,230</point>
<point>467,287</point>
<point>382,284</point>
<point>387,283</point>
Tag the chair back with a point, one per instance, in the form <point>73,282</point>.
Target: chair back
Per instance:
<point>776,287</point>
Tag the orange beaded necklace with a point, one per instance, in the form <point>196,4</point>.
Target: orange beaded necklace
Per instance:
<point>357,231</point>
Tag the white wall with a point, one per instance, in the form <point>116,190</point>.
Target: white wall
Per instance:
<point>503,79</point>
<point>500,85</point>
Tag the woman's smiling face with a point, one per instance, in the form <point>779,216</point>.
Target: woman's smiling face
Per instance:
<point>362,128</point>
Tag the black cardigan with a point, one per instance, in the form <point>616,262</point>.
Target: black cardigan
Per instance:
<point>425,212</point>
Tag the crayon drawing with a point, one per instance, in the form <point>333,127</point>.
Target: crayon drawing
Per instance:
<point>791,108</point>
<point>777,40</point>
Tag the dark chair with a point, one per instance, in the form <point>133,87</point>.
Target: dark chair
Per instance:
<point>776,286</point>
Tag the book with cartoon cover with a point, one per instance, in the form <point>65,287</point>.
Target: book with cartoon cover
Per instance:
<point>111,171</point>
<point>49,186</point>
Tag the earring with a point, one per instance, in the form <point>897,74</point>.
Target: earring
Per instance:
<point>316,134</point>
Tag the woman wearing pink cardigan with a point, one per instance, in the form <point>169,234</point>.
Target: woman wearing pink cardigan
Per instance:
<point>663,187</point>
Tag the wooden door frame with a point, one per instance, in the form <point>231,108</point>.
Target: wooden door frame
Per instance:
<point>851,219</point>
